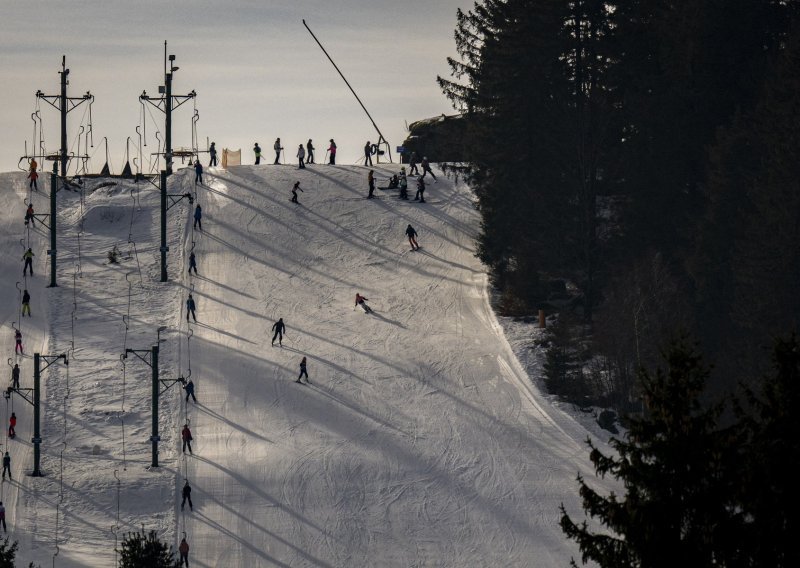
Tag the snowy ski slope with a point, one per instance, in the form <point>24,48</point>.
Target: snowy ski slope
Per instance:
<point>420,441</point>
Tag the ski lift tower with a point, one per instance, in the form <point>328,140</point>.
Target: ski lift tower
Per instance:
<point>64,105</point>
<point>166,104</point>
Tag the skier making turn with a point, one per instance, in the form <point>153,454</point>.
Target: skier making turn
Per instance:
<point>412,237</point>
<point>362,301</point>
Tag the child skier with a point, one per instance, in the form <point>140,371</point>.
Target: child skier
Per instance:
<point>26,303</point>
<point>403,183</point>
<point>303,372</point>
<point>332,151</point>
<point>18,340</point>
<point>412,237</point>
<point>294,192</point>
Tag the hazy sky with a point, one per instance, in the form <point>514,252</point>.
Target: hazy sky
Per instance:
<point>257,72</point>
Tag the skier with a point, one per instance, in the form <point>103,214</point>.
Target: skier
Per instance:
<point>303,372</point>
<point>33,177</point>
<point>198,217</point>
<point>15,376</point>
<point>186,436</point>
<point>3,516</point>
<point>26,303</point>
<point>7,466</point>
<point>371,182</point>
<point>18,340</point>
<point>279,328</point>
<point>189,388</point>
<point>412,237</point>
<point>212,151</point>
<point>187,495</point>
<point>295,187</point>
<point>420,196</point>
<point>403,183</point>
<point>367,153</point>
<point>362,301</point>
<point>34,165</point>
<point>192,263</point>
<point>184,550</point>
<point>190,308</point>
<point>29,215</point>
<point>198,172</point>
<point>277,147</point>
<point>309,152</point>
<point>301,154</point>
<point>412,164</point>
<point>426,168</point>
<point>257,150</point>
<point>12,425</point>
<point>332,151</point>
<point>28,258</point>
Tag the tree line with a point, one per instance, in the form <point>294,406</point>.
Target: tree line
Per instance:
<point>634,165</point>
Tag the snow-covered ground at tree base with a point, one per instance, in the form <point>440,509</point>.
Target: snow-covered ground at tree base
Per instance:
<point>421,440</point>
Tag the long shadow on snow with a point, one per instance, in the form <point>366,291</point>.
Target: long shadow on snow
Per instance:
<point>237,426</point>
<point>342,233</point>
<point>218,330</point>
<point>221,285</point>
<point>244,482</point>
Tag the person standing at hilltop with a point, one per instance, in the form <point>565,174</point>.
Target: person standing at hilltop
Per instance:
<point>332,152</point>
<point>257,151</point>
<point>309,152</point>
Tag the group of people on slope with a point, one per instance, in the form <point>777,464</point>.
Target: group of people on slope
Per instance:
<point>304,155</point>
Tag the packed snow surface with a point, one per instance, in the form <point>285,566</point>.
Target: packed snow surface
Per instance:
<point>419,442</point>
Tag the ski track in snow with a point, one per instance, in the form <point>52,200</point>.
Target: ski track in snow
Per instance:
<point>419,442</point>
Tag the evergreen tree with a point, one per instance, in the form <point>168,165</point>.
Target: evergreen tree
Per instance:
<point>771,449</point>
<point>145,551</point>
<point>531,84</point>
<point>8,552</point>
<point>676,506</point>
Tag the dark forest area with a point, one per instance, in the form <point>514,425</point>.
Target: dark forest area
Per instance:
<point>635,167</point>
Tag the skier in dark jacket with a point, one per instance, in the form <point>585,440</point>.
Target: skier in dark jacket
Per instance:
<point>184,551</point>
<point>412,165</point>
<point>15,376</point>
<point>26,303</point>
<point>371,182</point>
<point>412,237</point>
<point>3,517</point>
<point>186,436</point>
<point>7,466</point>
<point>362,301</point>
<point>278,148</point>
<point>279,328</point>
<point>198,217</point>
<point>303,372</point>
<point>198,172</point>
<point>295,188</point>
<point>192,263</point>
<point>332,152</point>
<point>309,152</point>
<point>190,307</point>
<point>420,196</point>
<point>28,258</point>
<point>367,154</point>
<point>426,168</point>
<point>186,493</point>
<point>212,151</point>
<point>189,388</point>
<point>257,151</point>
